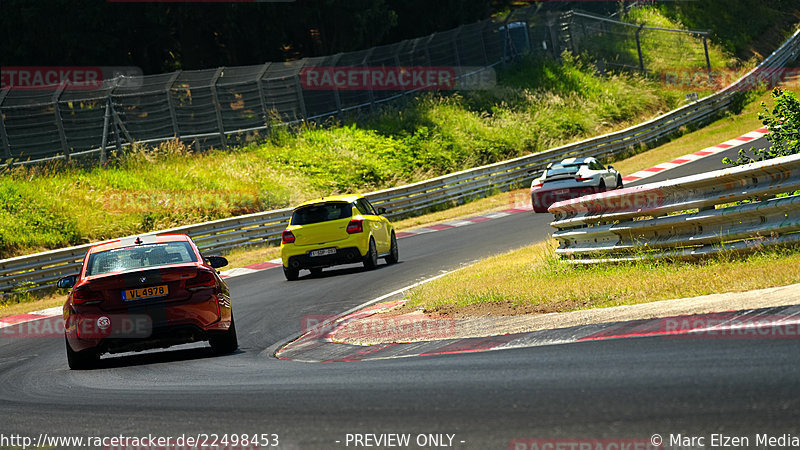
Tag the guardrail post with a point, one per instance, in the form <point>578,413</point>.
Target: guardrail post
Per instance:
<point>261,98</point>
<point>59,122</point>
<point>639,47</point>
<point>171,103</point>
<point>217,108</point>
<point>3,132</point>
<point>708,61</point>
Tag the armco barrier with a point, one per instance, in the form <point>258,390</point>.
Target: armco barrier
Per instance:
<point>649,221</point>
<point>40,270</point>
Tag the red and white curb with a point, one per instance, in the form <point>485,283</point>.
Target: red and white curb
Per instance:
<point>35,315</point>
<point>782,322</point>
<point>700,154</point>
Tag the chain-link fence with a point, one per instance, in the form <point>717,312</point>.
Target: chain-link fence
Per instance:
<point>616,44</point>
<point>223,106</point>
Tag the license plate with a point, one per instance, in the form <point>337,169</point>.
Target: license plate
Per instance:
<point>561,191</point>
<point>142,293</point>
<point>322,252</point>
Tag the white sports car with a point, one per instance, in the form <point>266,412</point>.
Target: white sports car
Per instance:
<point>571,178</point>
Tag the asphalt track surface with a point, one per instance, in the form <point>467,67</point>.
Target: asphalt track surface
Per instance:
<point>621,388</point>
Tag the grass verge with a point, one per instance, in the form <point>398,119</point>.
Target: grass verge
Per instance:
<point>533,280</point>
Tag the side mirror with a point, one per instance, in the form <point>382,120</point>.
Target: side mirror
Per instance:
<point>610,167</point>
<point>217,261</point>
<point>67,282</point>
<point>381,211</point>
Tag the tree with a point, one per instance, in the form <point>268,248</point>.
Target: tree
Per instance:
<point>783,122</point>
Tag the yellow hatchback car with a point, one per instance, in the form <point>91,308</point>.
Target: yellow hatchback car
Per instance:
<point>341,229</point>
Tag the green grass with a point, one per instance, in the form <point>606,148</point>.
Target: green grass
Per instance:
<point>537,104</point>
<point>535,278</point>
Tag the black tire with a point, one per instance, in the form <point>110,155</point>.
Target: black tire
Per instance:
<point>619,182</point>
<point>83,360</point>
<point>371,258</point>
<point>394,254</point>
<point>224,342</point>
<point>291,274</point>
<point>602,186</point>
<point>316,271</point>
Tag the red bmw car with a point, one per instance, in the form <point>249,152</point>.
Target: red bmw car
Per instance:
<point>142,293</point>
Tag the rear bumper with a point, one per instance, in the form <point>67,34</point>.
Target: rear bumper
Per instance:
<point>144,327</point>
<point>297,256</point>
<point>541,199</point>
<point>347,255</point>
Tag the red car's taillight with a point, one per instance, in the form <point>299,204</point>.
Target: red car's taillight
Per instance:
<point>355,226</point>
<point>287,237</point>
<point>203,280</point>
<point>582,179</point>
<point>536,185</point>
<point>86,296</point>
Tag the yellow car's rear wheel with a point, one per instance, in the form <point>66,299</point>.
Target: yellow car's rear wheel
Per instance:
<point>371,258</point>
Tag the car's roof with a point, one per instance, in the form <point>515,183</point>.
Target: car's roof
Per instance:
<point>139,240</point>
<point>349,198</point>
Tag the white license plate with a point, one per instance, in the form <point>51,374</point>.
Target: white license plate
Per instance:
<point>322,252</point>
<point>561,191</point>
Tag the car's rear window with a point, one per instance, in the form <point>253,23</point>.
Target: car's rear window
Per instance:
<point>140,257</point>
<point>559,169</point>
<point>322,212</point>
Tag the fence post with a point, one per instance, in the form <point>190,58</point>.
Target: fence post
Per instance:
<point>455,45</point>
<point>298,86</point>
<point>555,44</point>
<point>708,60</point>
<point>217,108</point>
<point>104,142</point>
<point>483,43</point>
<point>3,132</point>
<point>115,117</point>
<point>171,104</point>
<point>639,47</point>
<point>261,98</point>
<point>336,96</point>
<point>507,38</point>
<point>364,63</point>
<point>59,122</point>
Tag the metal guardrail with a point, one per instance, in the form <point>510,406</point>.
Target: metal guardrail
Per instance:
<point>650,221</point>
<point>38,271</point>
